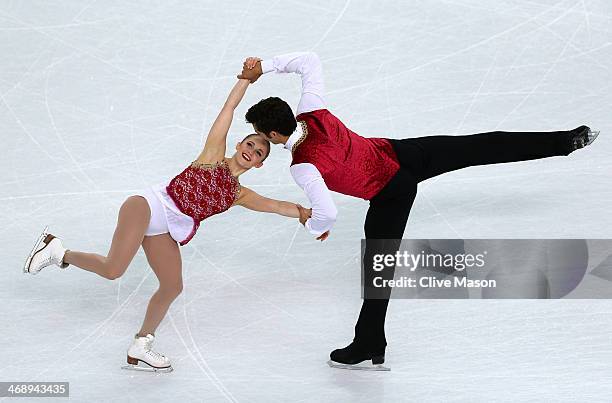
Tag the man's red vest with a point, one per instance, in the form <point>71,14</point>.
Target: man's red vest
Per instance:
<point>350,164</point>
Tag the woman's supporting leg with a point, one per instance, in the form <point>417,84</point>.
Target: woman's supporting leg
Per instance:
<point>164,258</point>
<point>132,224</point>
<point>429,156</point>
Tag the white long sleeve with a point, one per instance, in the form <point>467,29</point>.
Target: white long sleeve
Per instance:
<point>324,211</point>
<point>308,65</point>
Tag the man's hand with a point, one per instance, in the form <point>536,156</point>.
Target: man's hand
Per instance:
<point>305,214</point>
<point>250,62</point>
<point>251,69</point>
<point>323,236</point>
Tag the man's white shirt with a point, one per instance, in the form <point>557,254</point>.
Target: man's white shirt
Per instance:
<point>306,175</point>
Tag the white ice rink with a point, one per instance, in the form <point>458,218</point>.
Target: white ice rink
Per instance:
<point>99,99</point>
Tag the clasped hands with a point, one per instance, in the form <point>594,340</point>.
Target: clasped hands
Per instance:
<point>305,214</point>
<point>251,69</point>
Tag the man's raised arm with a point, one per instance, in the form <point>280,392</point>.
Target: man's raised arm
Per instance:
<point>306,64</point>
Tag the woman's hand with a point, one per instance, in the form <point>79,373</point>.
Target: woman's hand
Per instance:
<point>305,214</point>
<point>323,236</point>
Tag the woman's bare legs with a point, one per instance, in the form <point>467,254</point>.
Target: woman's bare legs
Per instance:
<point>164,257</point>
<point>132,223</point>
<point>162,253</point>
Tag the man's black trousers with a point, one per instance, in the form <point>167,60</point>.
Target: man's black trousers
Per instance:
<point>422,158</point>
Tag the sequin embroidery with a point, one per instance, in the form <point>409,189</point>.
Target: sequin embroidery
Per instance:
<point>203,190</point>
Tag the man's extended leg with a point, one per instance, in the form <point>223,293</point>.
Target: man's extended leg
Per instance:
<point>433,155</point>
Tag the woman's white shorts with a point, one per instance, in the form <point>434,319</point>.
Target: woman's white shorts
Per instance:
<point>158,223</point>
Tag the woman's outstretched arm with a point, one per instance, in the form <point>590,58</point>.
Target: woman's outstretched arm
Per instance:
<point>256,202</point>
<point>214,148</point>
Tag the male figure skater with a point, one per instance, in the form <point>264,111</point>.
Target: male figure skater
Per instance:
<point>326,155</point>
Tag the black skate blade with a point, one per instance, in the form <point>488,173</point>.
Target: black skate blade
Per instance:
<point>26,266</point>
<point>146,368</point>
<point>362,366</point>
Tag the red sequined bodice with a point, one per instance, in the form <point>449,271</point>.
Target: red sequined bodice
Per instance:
<point>203,190</point>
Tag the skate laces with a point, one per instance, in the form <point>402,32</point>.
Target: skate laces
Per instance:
<point>50,258</point>
<point>148,345</point>
<point>46,262</point>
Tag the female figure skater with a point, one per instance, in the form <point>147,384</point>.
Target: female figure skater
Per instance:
<point>166,215</point>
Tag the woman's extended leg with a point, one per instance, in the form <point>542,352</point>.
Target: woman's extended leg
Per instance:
<point>132,224</point>
<point>164,258</point>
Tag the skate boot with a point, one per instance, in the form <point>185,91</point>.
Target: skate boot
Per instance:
<point>352,357</point>
<point>584,136</point>
<point>47,250</point>
<point>140,357</point>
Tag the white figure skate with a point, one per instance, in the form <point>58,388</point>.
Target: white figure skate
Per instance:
<point>140,357</point>
<point>47,250</point>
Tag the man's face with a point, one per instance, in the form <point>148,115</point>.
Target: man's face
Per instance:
<point>272,137</point>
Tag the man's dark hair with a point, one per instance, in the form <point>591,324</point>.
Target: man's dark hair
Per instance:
<point>272,114</point>
<point>266,147</point>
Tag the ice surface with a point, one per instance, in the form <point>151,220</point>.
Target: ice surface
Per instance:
<point>99,99</point>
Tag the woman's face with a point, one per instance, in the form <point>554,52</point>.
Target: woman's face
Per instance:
<point>251,152</point>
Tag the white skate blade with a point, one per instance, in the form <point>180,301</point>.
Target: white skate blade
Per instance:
<point>362,366</point>
<point>592,136</point>
<point>146,368</point>
<point>26,267</point>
